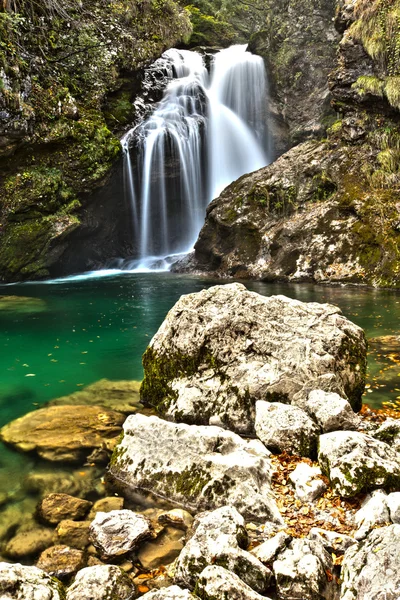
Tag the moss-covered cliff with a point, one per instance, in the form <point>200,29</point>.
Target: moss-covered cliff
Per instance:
<point>68,73</point>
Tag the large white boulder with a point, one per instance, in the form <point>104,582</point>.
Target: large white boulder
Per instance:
<point>19,582</point>
<point>101,582</point>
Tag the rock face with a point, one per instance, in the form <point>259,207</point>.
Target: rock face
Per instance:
<point>65,433</point>
<point>285,428</point>
<point>57,507</point>
<point>217,583</point>
<point>218,539</point>
<point>117,532</point>
<point>18,582</point>
<point>222,349</point>
<point>370,570</point>
<point>197,467</point>
<point>103,582</point>
<point>355,462</point>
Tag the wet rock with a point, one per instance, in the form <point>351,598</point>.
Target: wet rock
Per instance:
<point>393,503</point>
<point>268,551</point>
<point>329,411</point>
<point>197,467</point>
<point>162,551</point>
<point>170,593</point>
<point>287,428</point>
<point>61,561</point>
<point>102,582</point>
<point>73,533</point>
<point>389,432</point>
<point>181,519</point>
<point>370,569</point>
<point>355,462</point>
<point>331,540</point>
<point>122,396</point>
<point>64,433</point>
<point>218,539</point>
<point>373,512</point>
<point>106,505</point>
<point>28,543</point>
<point>57,507</point>
<point>217,583</point>
<point>307,481</point>
<point>117,532</point>
<point>19,582</point>
<point>301,572</point>
<point>44,483</point>
<point>222,349</point>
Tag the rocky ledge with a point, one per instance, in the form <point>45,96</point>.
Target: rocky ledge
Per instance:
<point>307,510</point>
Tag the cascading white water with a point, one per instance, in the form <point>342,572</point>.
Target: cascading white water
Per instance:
<point>205,133</point>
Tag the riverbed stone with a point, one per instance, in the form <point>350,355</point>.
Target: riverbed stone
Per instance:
<point>285,428</point>
<point>61,561</point>
<point>331,540</point>
<point>57,507</point>
<point>25,544</point>
<point>197,467</point>
<point>106,504</point>
<point>217,583</point>
<point>101,582</point>
<point>370,570</point>
<point>181,519</point>
<point>268,551</point>
<point>73,533</point>
<point>174,592</point>
<point>222,349</point>
<point>374,512</point>
<point>64,433</point>
<point>122,396</point>
<point>355,462</point>
<point>118,532</point>
<point>329,411</point>
<point>307,482</point>
<point>20,582</point>
<point>219,538</point>
<point>301,572</point>
<point>162,551</point>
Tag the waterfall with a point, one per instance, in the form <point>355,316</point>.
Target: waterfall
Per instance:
<point>207,131</point>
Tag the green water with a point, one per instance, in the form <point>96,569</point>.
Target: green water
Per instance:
<point>80,331</point>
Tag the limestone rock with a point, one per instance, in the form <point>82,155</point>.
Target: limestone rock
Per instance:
<point>222,349</point>
<point>355,462</point>
<point>373,512</point>
<point>122,396</point>
<point>29,543</point>
<point>331,540</point>
<point>268,551</point>
<point>370,570</point>
<point>57,507</point>
<point>64,433</point>
<point>218,538</point>
<point>329,411</point>
<point>117,532</point>
<point>73,533</point>
<point>389,432</point>
<point>174,592</point>
<point>195,466</point>
<point>106,504</point>
<point>61,561</point>
<point>102,582</point>
<point>307,482</point>
<point>301,572</point>
<point>217,583</point>
<point>393,503</point>
<point>285,428</point>
<point>18,582</point>
<point>181,519</point>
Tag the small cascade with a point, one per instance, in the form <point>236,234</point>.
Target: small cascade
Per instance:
<point>205,133</point>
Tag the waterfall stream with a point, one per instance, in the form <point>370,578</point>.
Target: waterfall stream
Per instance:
<point>208,130</point>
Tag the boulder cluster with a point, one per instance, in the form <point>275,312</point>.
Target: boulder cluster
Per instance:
<point>249,474</point>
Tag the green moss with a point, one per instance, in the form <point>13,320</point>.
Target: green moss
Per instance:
<point>209,29</point>
<point>369,85</point>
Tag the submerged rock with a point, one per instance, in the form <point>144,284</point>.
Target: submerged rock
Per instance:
<point>21,304</point>
<point>19,582</point>
<point>197,467</point>
<point>122,396</point>
<point>64,433</point>
<point>370,570</point>
<point>73,533</point>
<point>355,462</point>
<point>26,544</point>
<point>162,551</point>
<point>222,349</point>
<point>57,507</point>
<point>117,532</point>
<point>217,583</point>
<point>218,539</point>
<point>61,561</point>
<point>285,428</point>
<point>103,582</point>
